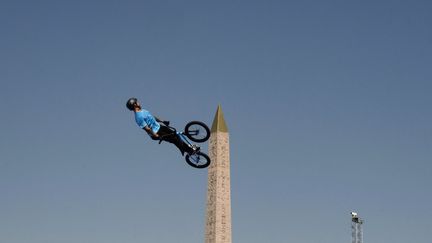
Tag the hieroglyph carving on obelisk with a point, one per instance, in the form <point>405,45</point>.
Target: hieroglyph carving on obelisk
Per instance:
<point>218,216</point>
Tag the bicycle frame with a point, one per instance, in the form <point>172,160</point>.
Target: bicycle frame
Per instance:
<point>183,137</point>
<point>194,158</point>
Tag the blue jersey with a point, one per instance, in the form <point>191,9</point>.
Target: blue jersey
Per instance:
<point>144,118</point>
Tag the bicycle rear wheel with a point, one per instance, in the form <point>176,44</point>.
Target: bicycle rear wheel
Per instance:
<point>197,131</point>
<point>198,160</point>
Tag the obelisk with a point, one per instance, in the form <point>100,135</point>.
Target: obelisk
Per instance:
<point>218,216</point>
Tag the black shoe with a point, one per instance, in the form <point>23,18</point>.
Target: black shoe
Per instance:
<point>195,148</point>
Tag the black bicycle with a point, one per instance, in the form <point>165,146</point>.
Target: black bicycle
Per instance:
<point>197,132</point>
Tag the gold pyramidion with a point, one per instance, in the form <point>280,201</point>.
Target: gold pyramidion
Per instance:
<point>219,124</point>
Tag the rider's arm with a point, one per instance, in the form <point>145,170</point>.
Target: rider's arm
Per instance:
<point>150,131</point>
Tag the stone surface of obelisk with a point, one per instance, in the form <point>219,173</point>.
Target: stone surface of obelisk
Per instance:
<point>218,216</point>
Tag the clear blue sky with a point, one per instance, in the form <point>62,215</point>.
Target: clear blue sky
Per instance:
<point>328,105</point>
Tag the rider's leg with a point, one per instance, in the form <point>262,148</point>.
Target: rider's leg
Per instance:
<point>171,137</point>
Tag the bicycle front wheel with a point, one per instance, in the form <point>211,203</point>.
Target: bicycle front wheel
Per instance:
<point>197,131</point>
<point>198,160</point>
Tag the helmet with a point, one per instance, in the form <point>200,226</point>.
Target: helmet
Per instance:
<point>131,103</point>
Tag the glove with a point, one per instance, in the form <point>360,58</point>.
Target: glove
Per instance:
<point>166,123</point>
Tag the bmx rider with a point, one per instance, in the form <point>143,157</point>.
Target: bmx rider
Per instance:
<point>156,128</point>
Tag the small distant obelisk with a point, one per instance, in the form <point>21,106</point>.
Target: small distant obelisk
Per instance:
<point>218,216</point>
